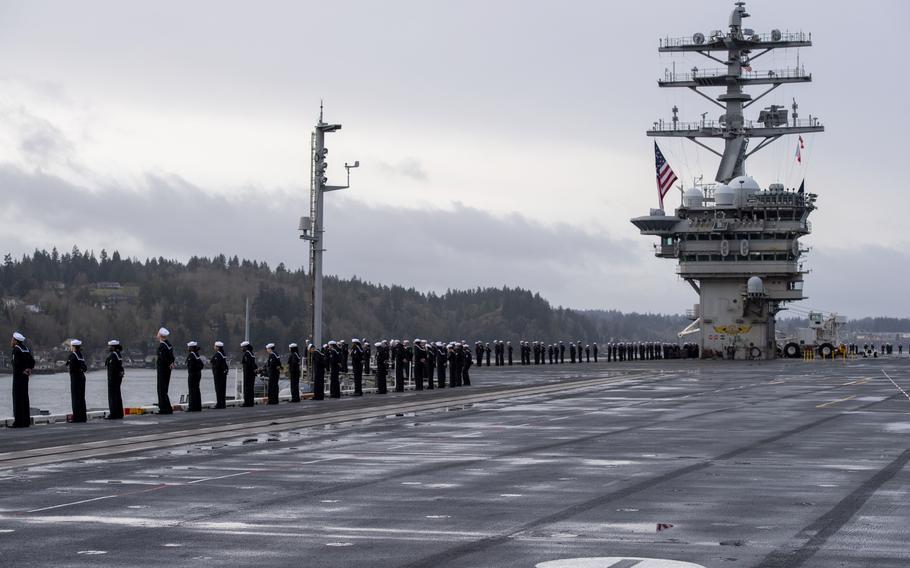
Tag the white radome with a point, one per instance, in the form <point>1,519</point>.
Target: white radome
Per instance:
<point>724,196</point>
<point>747,183</point>
<point>693,197</point>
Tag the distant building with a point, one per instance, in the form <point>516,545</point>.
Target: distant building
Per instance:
<point>12,303</point>
<point>108,285</point>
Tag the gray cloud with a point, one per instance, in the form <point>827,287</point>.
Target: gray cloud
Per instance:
<point>41,142</point>
<point>429,249</point>
<point>407,167</point>
<point>861,281</point>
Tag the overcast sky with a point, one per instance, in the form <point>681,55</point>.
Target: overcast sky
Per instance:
<point>501,143</point>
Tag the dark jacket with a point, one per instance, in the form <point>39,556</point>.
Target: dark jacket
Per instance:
<point>76,363</point>
<point>274,365</point>
<point>194,365</point>
<point>249,363</point>
<point>219,364</point>
<point>22,359</point>
<point>165,355</point>
<point>114,364</point>
<point>294,361</point>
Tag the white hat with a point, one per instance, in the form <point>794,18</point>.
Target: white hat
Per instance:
<point>18,336</point>
<point>192,344</point>
<point>163,332</point>
<point>244,343</point>
<point>269,345</point>
<point>333,342</point>
<point>113,342</point>
<point>219,344</point>
<point>75,342</point>
<point>355,340</point>
<point>292,345</point>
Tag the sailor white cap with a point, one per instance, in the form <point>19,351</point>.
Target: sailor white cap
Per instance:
<point>244,343</point>
<point>333,342</point>
<point>269,345</point>
<point>163,332</point>
<point>113,342</point>
<point>292,345</point>
<point>192,344</point>
<point>355,340</point>
<point>18,336</point>
<point>75,342</point>
<point>219,344</point>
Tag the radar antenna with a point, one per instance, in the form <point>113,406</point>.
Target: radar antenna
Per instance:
<point>732,127</point>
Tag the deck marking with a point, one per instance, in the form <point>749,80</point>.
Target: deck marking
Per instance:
<point>72,503</point>
<point>903,392</point>
<point>827,404</point>
<point>124,494</point>
<point>617,562</point>
<point>219,477</point>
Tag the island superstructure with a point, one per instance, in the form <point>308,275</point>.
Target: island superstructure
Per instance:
<point>736,243</point>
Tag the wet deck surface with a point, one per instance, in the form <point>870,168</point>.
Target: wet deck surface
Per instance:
<point>782,464</point>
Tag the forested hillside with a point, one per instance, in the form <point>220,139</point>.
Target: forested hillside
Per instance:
<point>52,297</point>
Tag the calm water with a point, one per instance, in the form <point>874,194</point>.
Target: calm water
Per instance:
<point>52,392</point>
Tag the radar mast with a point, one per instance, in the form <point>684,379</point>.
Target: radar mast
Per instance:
<point>742,47</point>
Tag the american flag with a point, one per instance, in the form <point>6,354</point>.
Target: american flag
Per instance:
<point>665,175</point>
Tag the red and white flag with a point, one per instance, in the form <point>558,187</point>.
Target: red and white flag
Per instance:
<point>665,175</point>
